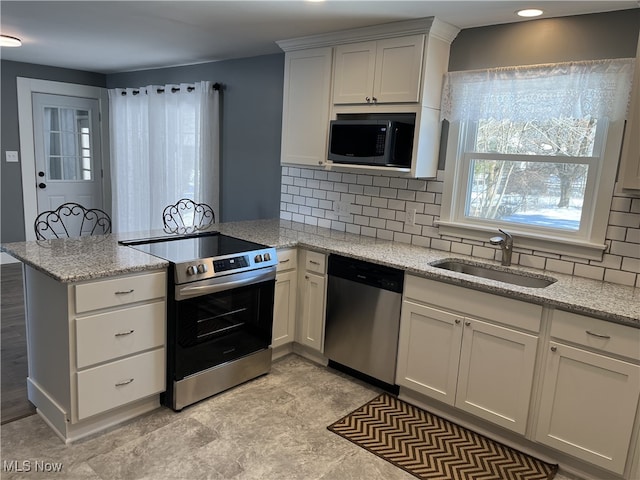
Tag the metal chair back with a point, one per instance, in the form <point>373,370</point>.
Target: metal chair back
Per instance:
<point>187,216</point>
<point>71,220</point>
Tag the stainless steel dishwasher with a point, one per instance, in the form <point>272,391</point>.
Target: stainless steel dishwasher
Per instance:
<point>363,318</point>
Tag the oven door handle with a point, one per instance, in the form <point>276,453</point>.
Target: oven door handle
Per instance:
<point>248,278</point>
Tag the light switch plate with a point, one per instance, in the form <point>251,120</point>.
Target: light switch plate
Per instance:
<point>11,156</point>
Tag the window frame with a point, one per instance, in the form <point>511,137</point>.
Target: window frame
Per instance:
<point>588,242</point>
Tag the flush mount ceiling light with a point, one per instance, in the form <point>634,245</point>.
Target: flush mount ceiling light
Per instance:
<point>7,41</point>
<point>529,12</point>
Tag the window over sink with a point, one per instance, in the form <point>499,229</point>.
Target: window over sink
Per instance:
<point>535,150</point>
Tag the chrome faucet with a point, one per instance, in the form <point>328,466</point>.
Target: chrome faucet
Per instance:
<point>506,244</point>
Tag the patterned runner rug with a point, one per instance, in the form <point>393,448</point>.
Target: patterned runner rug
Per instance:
<point>431,447</point>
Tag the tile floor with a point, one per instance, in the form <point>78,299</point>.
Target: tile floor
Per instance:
<point>273,427</point>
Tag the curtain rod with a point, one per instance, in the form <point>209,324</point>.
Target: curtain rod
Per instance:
<point>215,86</point>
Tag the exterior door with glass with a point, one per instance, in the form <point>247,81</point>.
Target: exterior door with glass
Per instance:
<point>67,151</point>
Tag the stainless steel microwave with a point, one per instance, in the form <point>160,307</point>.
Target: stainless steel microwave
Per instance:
<point>371,142</point>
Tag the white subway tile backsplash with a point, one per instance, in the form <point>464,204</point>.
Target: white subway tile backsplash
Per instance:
<point>401,237</point>
<point>624,219</point>
<point>621,204</point>
<point>378,202</point>
<point>620,277</point>
<point>588,271</point>
<point>560,266</point>
<point>461,248</point>
<point>633,235</point>
<point>440,244</point>
<point>365,180</point>
<point>388,192</point>
<point>483,252</point>
<point>381,181</point>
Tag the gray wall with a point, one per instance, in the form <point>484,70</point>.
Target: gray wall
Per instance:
<point>251,110</point>
<point>252,100</point>
<point>11,207</point>
<point>581,37</point>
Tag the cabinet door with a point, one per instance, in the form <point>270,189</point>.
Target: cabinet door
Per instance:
<point>313,310</point>
<point>306,100</point>
<point>429,351</point>
<point>284,308</point>
<point>354,71</point>
<point>398,68</point>
<point>631,142</point>
<point>496,373</point>
<point>588,405</point>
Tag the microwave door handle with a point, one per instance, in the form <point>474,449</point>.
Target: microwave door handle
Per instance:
<point>196,290</point>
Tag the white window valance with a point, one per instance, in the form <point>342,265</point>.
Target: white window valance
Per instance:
<point>598,89</point>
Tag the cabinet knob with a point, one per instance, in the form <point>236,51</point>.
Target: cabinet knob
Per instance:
<point>457,321</point>
<point>554,349</point>
<point>467,323</point>
<point>368,99</point>
<point>375,100</point>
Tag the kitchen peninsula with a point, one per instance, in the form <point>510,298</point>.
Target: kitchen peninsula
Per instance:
<point>73,270</point>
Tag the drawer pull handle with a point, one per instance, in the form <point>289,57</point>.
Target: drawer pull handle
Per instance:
<point>124,382</point>
<point>285,260</point>
<point>124,292</point>
<point>123,334</point>
<point>314,262</point>
<point>599,335</point>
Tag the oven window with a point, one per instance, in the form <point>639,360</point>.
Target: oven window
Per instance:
<point>240,311</point>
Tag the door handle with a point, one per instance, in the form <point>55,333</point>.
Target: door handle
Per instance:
<point>42,185</point>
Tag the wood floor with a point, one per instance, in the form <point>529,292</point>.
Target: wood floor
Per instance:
<point>13,347</point>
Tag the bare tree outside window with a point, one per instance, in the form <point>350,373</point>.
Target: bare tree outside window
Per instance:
<point>530,172</point>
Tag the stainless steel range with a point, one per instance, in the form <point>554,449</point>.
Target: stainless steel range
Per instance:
<point>219,312</point>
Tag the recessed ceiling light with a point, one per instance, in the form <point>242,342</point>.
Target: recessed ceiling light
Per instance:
<point>530,12</point>
<point>7,41</point>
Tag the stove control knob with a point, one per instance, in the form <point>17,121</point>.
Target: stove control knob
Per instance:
<point>192,270</point>
<point>258,258</point>
<point>202,268</point>
<point>267,257</point>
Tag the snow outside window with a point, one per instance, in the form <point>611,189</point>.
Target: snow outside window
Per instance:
<point>534,150</point>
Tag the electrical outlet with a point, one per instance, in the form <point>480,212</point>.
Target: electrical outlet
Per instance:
<point>410,216</point>
<point>341,208</point>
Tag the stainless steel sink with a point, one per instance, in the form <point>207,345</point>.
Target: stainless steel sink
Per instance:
<point>492,273</point>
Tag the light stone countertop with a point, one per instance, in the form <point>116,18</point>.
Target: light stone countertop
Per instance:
<point>87,258</point>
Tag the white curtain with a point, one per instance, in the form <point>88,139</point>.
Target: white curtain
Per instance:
<point>164,147</point>
<point>598,89</point>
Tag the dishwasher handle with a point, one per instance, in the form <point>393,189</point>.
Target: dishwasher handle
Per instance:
<point>367,273</point>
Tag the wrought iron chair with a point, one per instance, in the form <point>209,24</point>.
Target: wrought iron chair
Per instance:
<point>187,216</point>
<point>71,220</point>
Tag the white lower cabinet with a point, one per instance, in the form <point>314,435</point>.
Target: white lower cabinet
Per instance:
<point>484,369</point>
<point>313,292</point>
<point>118,383</point>
<point>96,349</point>
<point>589,398</point>
<point>496,373</point>
<point>284,307</point>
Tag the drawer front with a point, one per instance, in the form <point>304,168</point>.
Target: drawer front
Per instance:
<point>107,336</point>
<point>120,291</point>
<point>315,262</point>
<point>596,334</point>
<point>121,382</point>
<point>287,259</point>
<point>514,313</point>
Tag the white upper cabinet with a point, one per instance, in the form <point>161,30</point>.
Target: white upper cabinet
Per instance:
<point>393,68</point>
<point>631,144</point>
<point>305,113</point>
<point>383,71</point>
